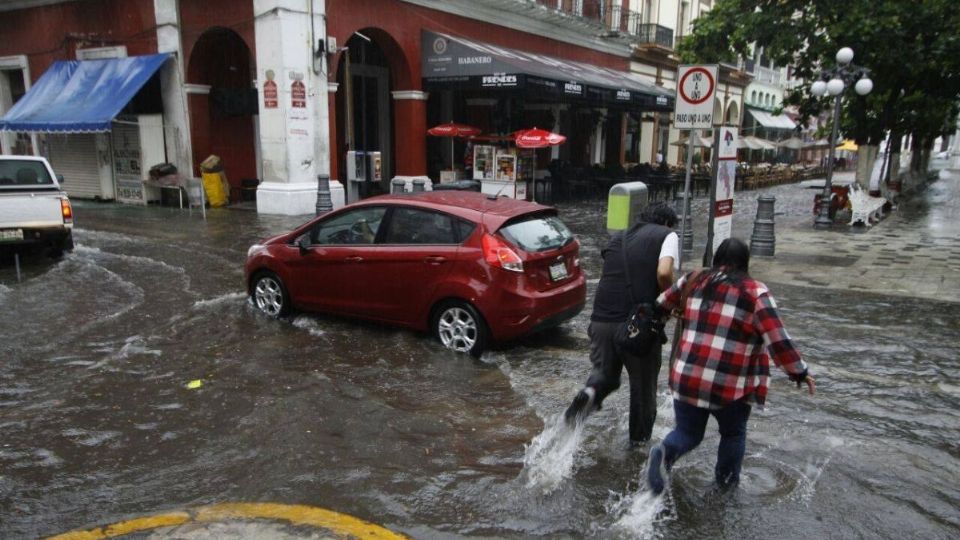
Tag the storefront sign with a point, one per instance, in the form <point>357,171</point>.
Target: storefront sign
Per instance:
<point>695,90</point>
<point>623,95</point>
<point>499,80</point>
<point>573,88</point>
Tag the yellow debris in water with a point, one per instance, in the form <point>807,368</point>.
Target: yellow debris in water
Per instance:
<point>194,384</point>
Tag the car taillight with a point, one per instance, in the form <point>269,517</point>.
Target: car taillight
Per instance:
<point>66,210</point>
<point>500,255</point>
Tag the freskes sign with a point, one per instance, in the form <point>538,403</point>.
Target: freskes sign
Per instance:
<point>696,86</point>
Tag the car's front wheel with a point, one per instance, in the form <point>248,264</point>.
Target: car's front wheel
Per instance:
<point>269,294</point>
<point>460,328</point>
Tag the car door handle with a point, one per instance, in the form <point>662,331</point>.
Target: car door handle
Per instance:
<point>434,260</point>
<point>354,258</point>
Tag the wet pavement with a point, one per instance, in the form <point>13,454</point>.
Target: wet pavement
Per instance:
<point>100,422</point>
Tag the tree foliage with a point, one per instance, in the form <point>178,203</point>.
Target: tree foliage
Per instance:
<point>912,48</point>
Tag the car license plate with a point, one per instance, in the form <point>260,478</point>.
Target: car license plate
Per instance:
<point>558,271</point>
<point>11,235</point>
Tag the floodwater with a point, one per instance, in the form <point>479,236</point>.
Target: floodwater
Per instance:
<point>98,422</point>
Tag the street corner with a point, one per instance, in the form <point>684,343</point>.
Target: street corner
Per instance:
<point>239,520</point>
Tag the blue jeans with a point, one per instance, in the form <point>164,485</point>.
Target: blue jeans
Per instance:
<point>691,422</point>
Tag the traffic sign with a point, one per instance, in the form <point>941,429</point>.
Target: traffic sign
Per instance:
<point>696,86</point>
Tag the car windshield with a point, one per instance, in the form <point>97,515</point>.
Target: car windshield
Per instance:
<point>537,233</point>
<point>23,173</point>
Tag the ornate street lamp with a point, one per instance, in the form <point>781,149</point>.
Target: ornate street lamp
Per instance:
<point>833,81</point>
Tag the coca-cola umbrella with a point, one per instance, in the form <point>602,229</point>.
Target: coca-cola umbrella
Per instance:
<point>537,138</point>
<point>453,129</point>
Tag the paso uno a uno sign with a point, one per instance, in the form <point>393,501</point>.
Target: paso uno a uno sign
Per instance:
<point>696,87</point>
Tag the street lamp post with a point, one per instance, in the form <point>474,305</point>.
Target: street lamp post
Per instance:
<point>833,81</point>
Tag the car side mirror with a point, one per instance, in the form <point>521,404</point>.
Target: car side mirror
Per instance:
<point>60,179</point>
<point>304,243</point>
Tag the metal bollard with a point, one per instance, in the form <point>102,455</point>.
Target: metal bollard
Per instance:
<point>687,240</point>
<point>324,202</point>
<point>418,185</point>
<point>764,241</point>
<point>398,185</point>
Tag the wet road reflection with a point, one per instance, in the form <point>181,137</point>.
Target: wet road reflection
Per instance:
<point>98,423</point>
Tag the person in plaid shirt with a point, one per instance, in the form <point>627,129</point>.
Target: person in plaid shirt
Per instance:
<point>730,328</point>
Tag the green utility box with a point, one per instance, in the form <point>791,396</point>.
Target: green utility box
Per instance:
<point>624,204</point>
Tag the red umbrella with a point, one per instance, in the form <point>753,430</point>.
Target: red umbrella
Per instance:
<point>537,138</point>
<point>453,129</point>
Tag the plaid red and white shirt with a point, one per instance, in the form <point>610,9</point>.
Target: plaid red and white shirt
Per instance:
<point>727,341</point>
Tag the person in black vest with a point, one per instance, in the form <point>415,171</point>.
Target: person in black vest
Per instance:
<point>652,253</point>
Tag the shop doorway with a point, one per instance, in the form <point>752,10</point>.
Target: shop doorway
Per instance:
<point>223,122</point>
<point>364,110</point>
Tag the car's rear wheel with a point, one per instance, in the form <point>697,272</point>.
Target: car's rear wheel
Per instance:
<point>269,294</point>
<point>460,328</point>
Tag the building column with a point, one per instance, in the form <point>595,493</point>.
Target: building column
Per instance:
<point>410,121</point>
<point>294,106</point>
<point>21,64</point>
<point>176,117</point>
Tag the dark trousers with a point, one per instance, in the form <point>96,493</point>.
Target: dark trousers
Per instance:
<point>691,422</point>
<point>608,363</point>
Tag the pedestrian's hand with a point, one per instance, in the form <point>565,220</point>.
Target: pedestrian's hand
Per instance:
<point>811,384</point>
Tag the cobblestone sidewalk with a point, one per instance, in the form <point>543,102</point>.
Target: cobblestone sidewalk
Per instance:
<point>914,251</point>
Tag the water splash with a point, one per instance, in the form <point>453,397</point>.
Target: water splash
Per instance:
<point>310,325</point>
<point>217,301</point>
<point>640,514</point>
<point>549,458</point>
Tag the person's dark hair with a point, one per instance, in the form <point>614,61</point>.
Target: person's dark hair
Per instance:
<point>731,263</point>
<point>660,213</point>
<point>734,255</point>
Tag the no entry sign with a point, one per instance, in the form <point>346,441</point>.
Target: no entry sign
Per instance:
<point>696,87</point>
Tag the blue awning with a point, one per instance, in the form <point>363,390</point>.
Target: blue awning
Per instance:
<point>81,96</point>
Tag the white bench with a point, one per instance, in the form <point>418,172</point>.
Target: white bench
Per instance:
<point>864,208</point>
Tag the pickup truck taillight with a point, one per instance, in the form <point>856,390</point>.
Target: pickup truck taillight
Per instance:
<point>66,210</point>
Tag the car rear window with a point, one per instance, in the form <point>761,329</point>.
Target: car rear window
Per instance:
<point>26,173</point>
<point>537,233</point>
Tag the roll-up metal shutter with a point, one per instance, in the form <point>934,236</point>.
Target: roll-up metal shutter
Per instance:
<point>75,157</point>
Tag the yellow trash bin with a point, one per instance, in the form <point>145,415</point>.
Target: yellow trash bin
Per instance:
<point>213,187</point>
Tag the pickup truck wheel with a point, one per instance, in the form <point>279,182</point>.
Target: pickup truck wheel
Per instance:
<point>460,328</point>
<point>269,294</point>
<point>66,244</point>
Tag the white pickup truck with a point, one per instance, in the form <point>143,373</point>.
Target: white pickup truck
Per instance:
<point>34,210</point>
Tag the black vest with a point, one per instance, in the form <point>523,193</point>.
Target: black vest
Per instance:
<point>613,301</point>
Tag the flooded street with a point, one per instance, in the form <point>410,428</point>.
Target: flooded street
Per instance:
<point>99,421</point>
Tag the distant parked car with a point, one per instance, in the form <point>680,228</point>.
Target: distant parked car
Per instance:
<point>470,268</point>
<point>34,211</point>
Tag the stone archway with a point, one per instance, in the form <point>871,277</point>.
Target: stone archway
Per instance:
<point>223,112</point>
<point>369,116</point>
<point>732,117</point>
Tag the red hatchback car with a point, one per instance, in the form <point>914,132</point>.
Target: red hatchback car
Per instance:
<point>470,268</point>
